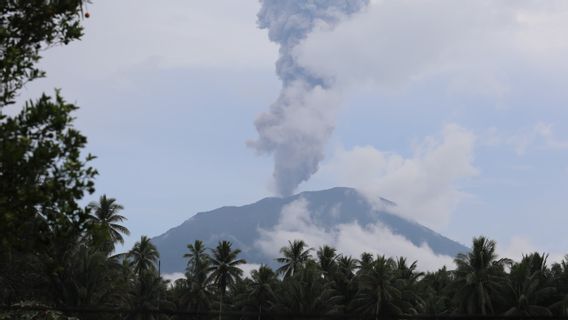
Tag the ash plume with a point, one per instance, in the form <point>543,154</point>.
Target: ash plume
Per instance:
<point>301,120</point>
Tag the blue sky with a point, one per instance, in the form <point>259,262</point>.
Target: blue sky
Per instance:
<point>467,107</point>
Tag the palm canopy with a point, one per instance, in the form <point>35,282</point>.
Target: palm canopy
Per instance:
<point>327,257</point>
<point>143,256</point>
<point>480,277</point>
<point>379,293</point>
<point>224,265</point>
<point>105,218</point>
<point>197,258</point>
<point>293,257</point>
<point>262,286</point>
<point>529,287</point>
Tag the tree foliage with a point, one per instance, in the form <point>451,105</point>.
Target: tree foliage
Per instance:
<point>26,28</point>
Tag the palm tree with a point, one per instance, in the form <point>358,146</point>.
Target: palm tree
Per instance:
<point>529,287</point>
<point>294,256</point>
<point>343,286</point>
<point>197,258</point>
<point>197,297</point>
<point>407,276</point>
<point>480,277</point>
<point>143,256</point>
<point>224,268</point>
<point>327,257</point>
<point>435,288</point>
<point>559,275</point>
<point>262,287</point>
<point>305,292</point>
<point>365,263</point>
<point>378,292</point>
<point>105,221</point>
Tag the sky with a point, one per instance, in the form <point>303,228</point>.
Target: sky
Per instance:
<point>456,111</point>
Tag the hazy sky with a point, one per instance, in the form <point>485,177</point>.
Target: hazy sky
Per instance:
<point>456,110</point>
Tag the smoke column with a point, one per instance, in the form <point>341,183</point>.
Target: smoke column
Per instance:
<point>300,122</point>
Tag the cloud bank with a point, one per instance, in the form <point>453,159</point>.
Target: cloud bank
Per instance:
<point>424,185</point>
<point>296,222</point>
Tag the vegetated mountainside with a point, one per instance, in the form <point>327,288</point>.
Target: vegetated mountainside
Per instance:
<point>329,208</point>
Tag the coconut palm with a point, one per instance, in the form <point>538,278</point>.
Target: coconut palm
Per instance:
<point>294,257</point>
<point>378,292</point>
<point>343,286</point>
<point>346,265</point>
<point>197,258</point>
<point>261,291</point>
<point>197,298</point>
<point>327,257</point>
<point>143,256</point>
<point>365,262</point>
<point>435,288</point>
<point>480,277</point>
<point>305,292</point>
<point>529,287</point>
<point>105,221</point>
<point>559,275</point>
<point>407,278</point>
<point>224,268</point>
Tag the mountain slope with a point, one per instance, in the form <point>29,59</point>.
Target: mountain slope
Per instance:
<point>328,208</point>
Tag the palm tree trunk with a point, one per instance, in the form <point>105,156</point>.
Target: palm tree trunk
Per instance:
<point>221,306</point>
<point>259,311</point>
<point>377,310</point>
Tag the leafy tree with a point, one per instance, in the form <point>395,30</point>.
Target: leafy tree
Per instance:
<point>26,29</point>
<point>44,174</point>
<point>293,257</point>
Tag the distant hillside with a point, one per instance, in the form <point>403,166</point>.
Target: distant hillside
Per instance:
<point>240,225</point>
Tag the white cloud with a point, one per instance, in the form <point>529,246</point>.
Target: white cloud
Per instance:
<point>172,277</point>
<point>351,239</point>
<point>539,136</point>
<point>424,186</point>
<point>477,44</point>
<point>248,268</point>
<point>519,246</point>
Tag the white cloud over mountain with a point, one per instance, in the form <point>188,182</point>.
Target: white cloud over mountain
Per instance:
<point>296,222</point>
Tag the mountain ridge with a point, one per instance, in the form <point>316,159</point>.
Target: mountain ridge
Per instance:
<point>241,225</point>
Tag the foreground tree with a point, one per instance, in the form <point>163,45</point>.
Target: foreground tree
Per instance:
<point>143,257</point>
<point>44,174</point>
<point>379,293</point>
<point>528,287</point>
<point>197,258</point>
<point>105,220</point>
<point>26,29</point>
<point>293,257</point>
<point>480,278</point>
<point>225,269</point>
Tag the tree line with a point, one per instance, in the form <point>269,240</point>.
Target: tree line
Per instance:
<point>83,273</point>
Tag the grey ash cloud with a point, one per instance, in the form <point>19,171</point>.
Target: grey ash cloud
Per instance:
<point>299,123</point>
